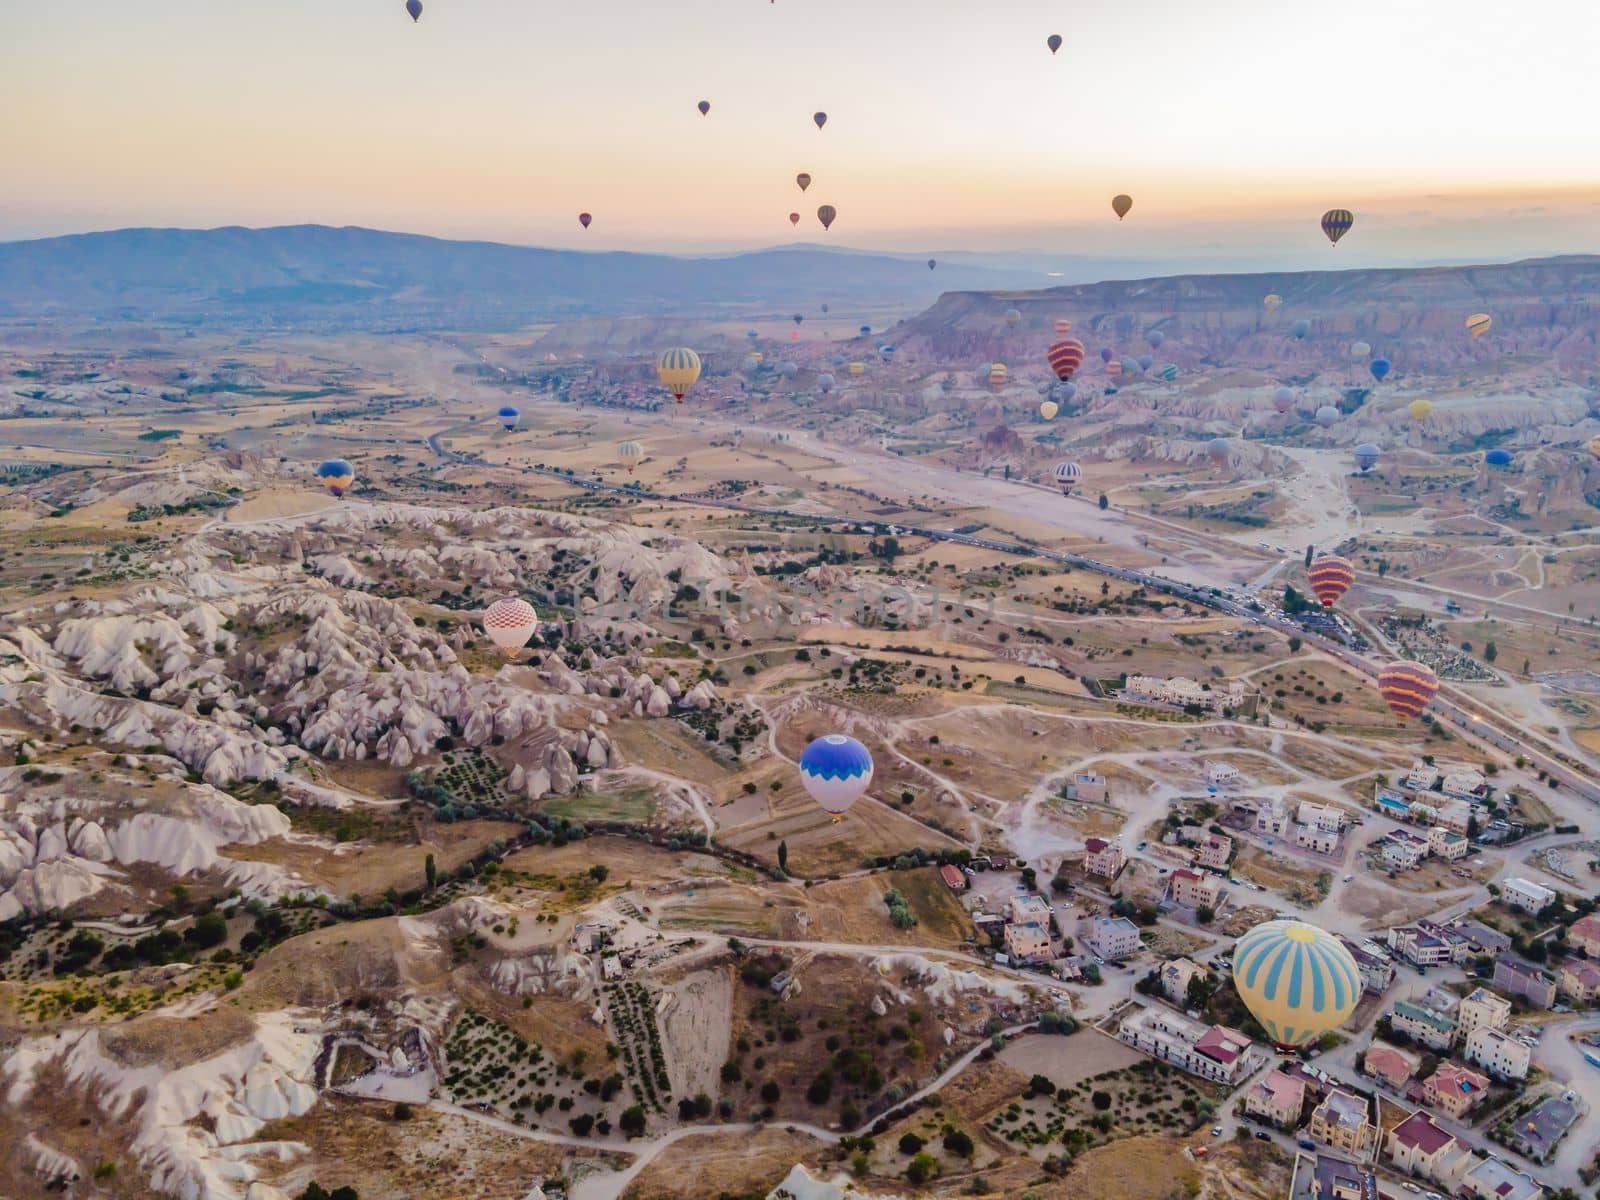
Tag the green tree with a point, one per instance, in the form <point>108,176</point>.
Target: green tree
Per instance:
<point>1308,557</point>
<point>1490,652</point>
<point>632,1120</point>
<point>1294,645</point>
<point>910,1143</point>
<point>958,1141</point>
<point>599,872</point>
<point>783,856</point>
<point>921,1168</point>
<point>432,872</point>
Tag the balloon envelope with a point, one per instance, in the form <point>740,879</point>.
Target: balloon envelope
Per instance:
<point>1301,328</point>
<point>1054,42</point>
<point>1121,205</point>
<point>1283,399</point>
<point>1063,327</point>
<point>1219,448</point>
<point>1013,317</point>
<point>1360,350</point>
<point>824,383</point>
<point>794,218</point>
<point>510,623</point>
<point>1065,358</point>
<point>1297,980</point>
<point>1478,324</point>
<point>508,416</point>
<point>630,455</point>
<point>1155,337</point>
<point>826,215</point>
<point>1380,368</point>
<point>1327,415</point>
<point>1407,688</point>
<point>1067,475</point>
<point>1048,410</point>
<point>1273,302</point>
<point>835,770</point>
<point>414,7</point>
<point>705,107</point>
<point>1169,371</point>
<point>1336,223</point>
<point>1367,455</point>
<point>1419,409</point>
<point>932,263</point>
<point>679,370</point>
<point>336,475</point>
<point>584,219</point>
<point>803,180</point>
<point>1498,457</point>
<point>1331,577</point>
<point>820,118</point>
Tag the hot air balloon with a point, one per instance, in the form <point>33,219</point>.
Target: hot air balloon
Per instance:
<point>1327,416</point>
<point>1048,410</point>
<point>1419,409</point>
<point>794,218</point>
<point>1407,688</point>
<point>1065,357</point>
<point>1336,223</point>
<point>836,770</point>
<point>798,318</point>
<point>864,330</point>
<point>336,475</point>
<point>1063,327</point>
<point>1366,456</point>
<point>1054,42</point>
<point>1498,457</point>
<point>788,369</point>
<point>1283,399</point>
<point>997,376</point>
<point>705,107</point>
<point>1107,354</point>
<point>886,352</point>
<point>630,455</point>
<point>803,180</point>
<point>1297,980</point>
<point>1067,475</point>
<point>824,383</point>
<point>508,417</point>
<point>414,7</point>
<point>584,219</point>
<point>751,334</point>
<point>1360,351</point>
<point>679,370</point>
<point>1155,337</point>
<point>1121,205</point>
<point>1301,328</point>
<point>1478,324</point>
<point>1169,371</point>
<point>1272,303</point>
<point>837,360</point>
<point>1145,361</point>
<point>1220,449</point>
<point>1331,577</point>
<point>1379,368</point>
<point>826,214</point>
<point>858,368</point>
<point>510,622</point>
<point>932,263</point>
<point>1114,368</point>
<point>820,118</point>
<point>1013,318</point>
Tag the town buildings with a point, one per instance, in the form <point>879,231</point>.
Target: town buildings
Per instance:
<point>1521,893</point>
<point>1194,889</point>
<point>1391,1065</point>
<point>1431,1029</point>
<point>1113,938</point>
<point>1579,981</point>
<point>1498,1053</point>
<point>1183,693</point>
<point>1210,1051</point>
<point>1426,944</point>
<point>1103,858</point>
<point>1454,1089</point>
<point>1517,978</point>
<point>1419,1146</point>
<point>1278,1098</point>
<point>1087,787</point>
<point>1343,1120</point>
<point>1176,975</point>
<point>1482,1009</point>
<point>1584,934</point>
<point>1027,942</point>
<point>1214,851</point>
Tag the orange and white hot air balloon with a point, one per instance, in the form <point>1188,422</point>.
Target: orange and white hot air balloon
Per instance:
<point>510,622</point>
<point>1478,324</point>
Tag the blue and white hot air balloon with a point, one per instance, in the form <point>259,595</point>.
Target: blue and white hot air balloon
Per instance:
<point>1498,457</point>
<point>836,769</point>
<point>508,417</point>
<point>1297,980</point>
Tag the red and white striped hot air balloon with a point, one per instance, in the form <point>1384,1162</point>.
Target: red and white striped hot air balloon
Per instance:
<point>1331,577</point>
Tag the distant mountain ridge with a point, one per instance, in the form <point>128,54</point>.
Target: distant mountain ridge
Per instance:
<point>325,278</point>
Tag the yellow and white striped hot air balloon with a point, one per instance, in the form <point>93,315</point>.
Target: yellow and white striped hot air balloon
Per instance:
<point>1048,410</point>
<point>1272,303</point>
<point>998,376</point>
<point>679,370</point>
<point>1478,324</point>
<point>630,455</point>
<point>858,368</point>
<point>1419,409</point>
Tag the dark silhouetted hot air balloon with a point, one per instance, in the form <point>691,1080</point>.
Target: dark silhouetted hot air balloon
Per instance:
<point>679,370</point>
<point>824,383</point>
<point>414,7</point>
<point>1498,457</point>
<point>1331,577</point>
<point>584,219</point>
<point>1106,354</point>
<point>1366,456</point>
<point>1407,688</point>
<point>932,263</point>
<point>803,180</point>
<point>826,214</point>
<point>1145,361</point>
<point>820,118</point>
<point>794,218</point>
<point>1336,223</point>
<point>704,106</point>
<point>798,318</point>
<point>1065,358</point>
<point>1121,205</point>
<point>1054,42</point>
<point>1380,368</point>
<point>1301,328</point>
<point>1155,337</point>
<point>864,330</point>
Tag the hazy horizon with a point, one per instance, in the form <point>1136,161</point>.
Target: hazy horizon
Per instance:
<point>1233,128</point>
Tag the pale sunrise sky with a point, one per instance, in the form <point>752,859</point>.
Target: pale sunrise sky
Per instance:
<point>1454,128</point>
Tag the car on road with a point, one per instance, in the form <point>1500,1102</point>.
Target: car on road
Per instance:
<point>1263,1137</point>
<point>1348,878</point>
<point>1411,1187</point>
<point>1216,1131</point>
<point>1306,1144</point>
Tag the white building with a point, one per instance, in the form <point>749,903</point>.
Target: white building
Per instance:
<point>1464,783</point>
<point>1087,787</point>
<point>1525,894</point>
<point>1221,774</point>
<point>1327,817</point>
<point>1483,1009</point>
<point>1113,938</point>
<point>1212,1052</point>
<point>1402,850</point>
<point>1497,1053</point>
<point>1028,907</point>
<point>1447,844</point>
<point>1271,819</point>
<point>1180,692</point>
<point>1318,841</point>
<point>1422,777</point>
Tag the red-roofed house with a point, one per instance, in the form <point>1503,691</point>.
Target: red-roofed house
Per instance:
<point>1277,1098</point>
<point>1103,858</point>
<point>1454,1089</point>
<point>1194,889</point>
<point>953,878</point>
<point>1585,933</point>
<point>1420,1147</point>
<point>1392,1066</point>
<point>1580,980</point>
